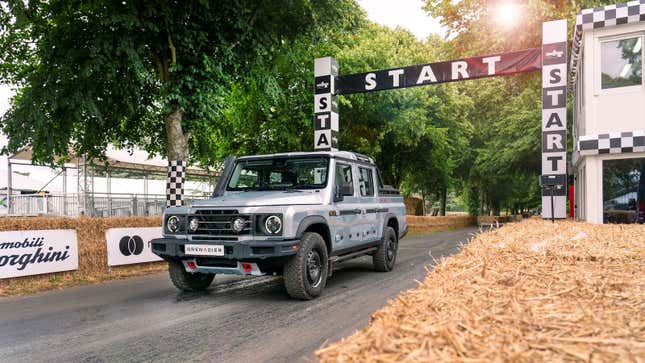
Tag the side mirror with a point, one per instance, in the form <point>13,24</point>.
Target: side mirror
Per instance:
<point>343,190</point>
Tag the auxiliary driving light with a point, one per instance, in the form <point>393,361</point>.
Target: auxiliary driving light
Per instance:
<point>193,225</point>
<point>238,224</point>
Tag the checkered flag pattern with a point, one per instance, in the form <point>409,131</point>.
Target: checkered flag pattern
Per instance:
<point>600,17</point>
<point>175,183</point>
<point>613,143</point>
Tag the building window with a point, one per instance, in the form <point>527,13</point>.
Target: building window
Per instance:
<point>623,190</point>
<point>622,62</point>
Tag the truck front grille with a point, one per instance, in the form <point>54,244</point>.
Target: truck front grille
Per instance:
<point>218,222</point>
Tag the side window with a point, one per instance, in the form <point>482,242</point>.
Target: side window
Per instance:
<point>380,181</point>
<point>344,176</point>
<point>366,182</point>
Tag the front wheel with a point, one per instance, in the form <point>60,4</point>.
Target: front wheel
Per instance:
<point>385,255</point>
<point>187,281</point>
<point>305,274</point>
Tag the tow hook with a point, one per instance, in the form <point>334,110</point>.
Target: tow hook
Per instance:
<point>247,267</point>
<point>191,265</point>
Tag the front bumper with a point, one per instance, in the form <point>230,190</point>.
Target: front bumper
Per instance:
<point>169,248</point>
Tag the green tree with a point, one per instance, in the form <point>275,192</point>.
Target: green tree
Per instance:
<point>148,73</point>
<point>418,136</point>
<point>502,169</point>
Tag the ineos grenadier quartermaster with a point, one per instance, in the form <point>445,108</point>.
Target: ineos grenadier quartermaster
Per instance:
<point>290,214</point>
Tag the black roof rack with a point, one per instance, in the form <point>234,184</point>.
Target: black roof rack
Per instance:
<point>363,158</point>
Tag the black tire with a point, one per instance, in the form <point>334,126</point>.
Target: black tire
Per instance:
<point>187,281</point>
<point>385,256</point>
<point>305,273</point>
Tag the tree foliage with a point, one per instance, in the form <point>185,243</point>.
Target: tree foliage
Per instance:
<point>202,80</point>
<point>149,73</point>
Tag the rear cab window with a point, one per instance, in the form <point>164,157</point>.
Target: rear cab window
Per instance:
<point>366,181</point>
<point>344,175</point>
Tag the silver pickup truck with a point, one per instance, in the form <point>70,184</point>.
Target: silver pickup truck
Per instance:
<point>290,214</point>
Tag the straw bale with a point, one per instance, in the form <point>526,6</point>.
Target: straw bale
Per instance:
<point>441,223</point>
<point>92,253</point>
<point>529,291</point>
<point>413,206</point>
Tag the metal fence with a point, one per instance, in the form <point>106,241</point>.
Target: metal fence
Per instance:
<point>92,205</point>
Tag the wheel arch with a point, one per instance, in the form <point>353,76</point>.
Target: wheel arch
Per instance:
<point>316,224</point>
<point>391,221</point>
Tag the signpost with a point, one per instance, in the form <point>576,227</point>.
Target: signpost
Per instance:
<point>554,118</point>
<point>552,59</point>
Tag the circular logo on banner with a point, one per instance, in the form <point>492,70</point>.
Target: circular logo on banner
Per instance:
<point>131,245</point>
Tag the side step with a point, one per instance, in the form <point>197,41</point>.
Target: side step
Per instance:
<point>349,256</point>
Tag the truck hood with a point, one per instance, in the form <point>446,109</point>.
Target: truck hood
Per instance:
<point>262,198</point>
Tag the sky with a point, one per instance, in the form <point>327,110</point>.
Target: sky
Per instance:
<point>407,14</point>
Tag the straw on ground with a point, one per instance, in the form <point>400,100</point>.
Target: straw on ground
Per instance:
<point>529,291</point>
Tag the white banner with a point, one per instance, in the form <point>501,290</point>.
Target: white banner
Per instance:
<point>24,253</point>
<point>130,245</point>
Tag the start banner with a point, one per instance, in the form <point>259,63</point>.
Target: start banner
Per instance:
<point>502,64</point>
<point>131,245</point>
<point>24,253</point>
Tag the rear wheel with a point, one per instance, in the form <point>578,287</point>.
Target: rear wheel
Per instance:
<point>385,255</point>
<point>187,281</point>
<point>305,273</point>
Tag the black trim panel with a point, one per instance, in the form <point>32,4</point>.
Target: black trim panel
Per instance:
<point>346,212</point>
<point>349,250</point>
<point>376,210</point>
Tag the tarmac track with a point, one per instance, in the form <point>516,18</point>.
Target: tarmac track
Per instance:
<point>238,319</point>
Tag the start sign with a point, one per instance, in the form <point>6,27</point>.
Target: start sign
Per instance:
<point>527,60</point>
<point>554,117</point>
<point>551,58</point>
<point>325,104</point>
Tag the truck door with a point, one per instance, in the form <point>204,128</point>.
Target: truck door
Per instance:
<point>371,217</point>
<point>346,224</point>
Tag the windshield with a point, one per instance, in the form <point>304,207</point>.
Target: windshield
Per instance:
<point>280,174</point>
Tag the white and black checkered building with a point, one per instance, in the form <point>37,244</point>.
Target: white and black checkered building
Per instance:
<point>606,77</point>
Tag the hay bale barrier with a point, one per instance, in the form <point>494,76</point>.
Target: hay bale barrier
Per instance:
<point>92,253</point>
<point>529,291</point>
<point>421,224</point>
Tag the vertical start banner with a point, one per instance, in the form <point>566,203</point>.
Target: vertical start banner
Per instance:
<point>325,104</point>
<point>554,118</point>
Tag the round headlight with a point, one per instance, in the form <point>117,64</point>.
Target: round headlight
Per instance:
<point>193,224</point>
<point>173,224</point>
<point>273,224</point>
<point>238,224</point>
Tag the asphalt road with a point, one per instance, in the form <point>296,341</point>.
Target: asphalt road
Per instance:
<point>236,320</point>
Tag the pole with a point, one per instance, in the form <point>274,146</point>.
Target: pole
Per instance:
<point>108,173</point>
<point>552,208</point>
<point>64,191</point>
<point>9,177</point>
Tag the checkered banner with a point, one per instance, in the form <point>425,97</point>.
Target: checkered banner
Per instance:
<point>600,17</point>
<point>554,118</point>
<point>175,183</point>
<point>612,143</point>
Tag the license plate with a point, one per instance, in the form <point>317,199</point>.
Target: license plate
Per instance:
<point>204,250</point>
